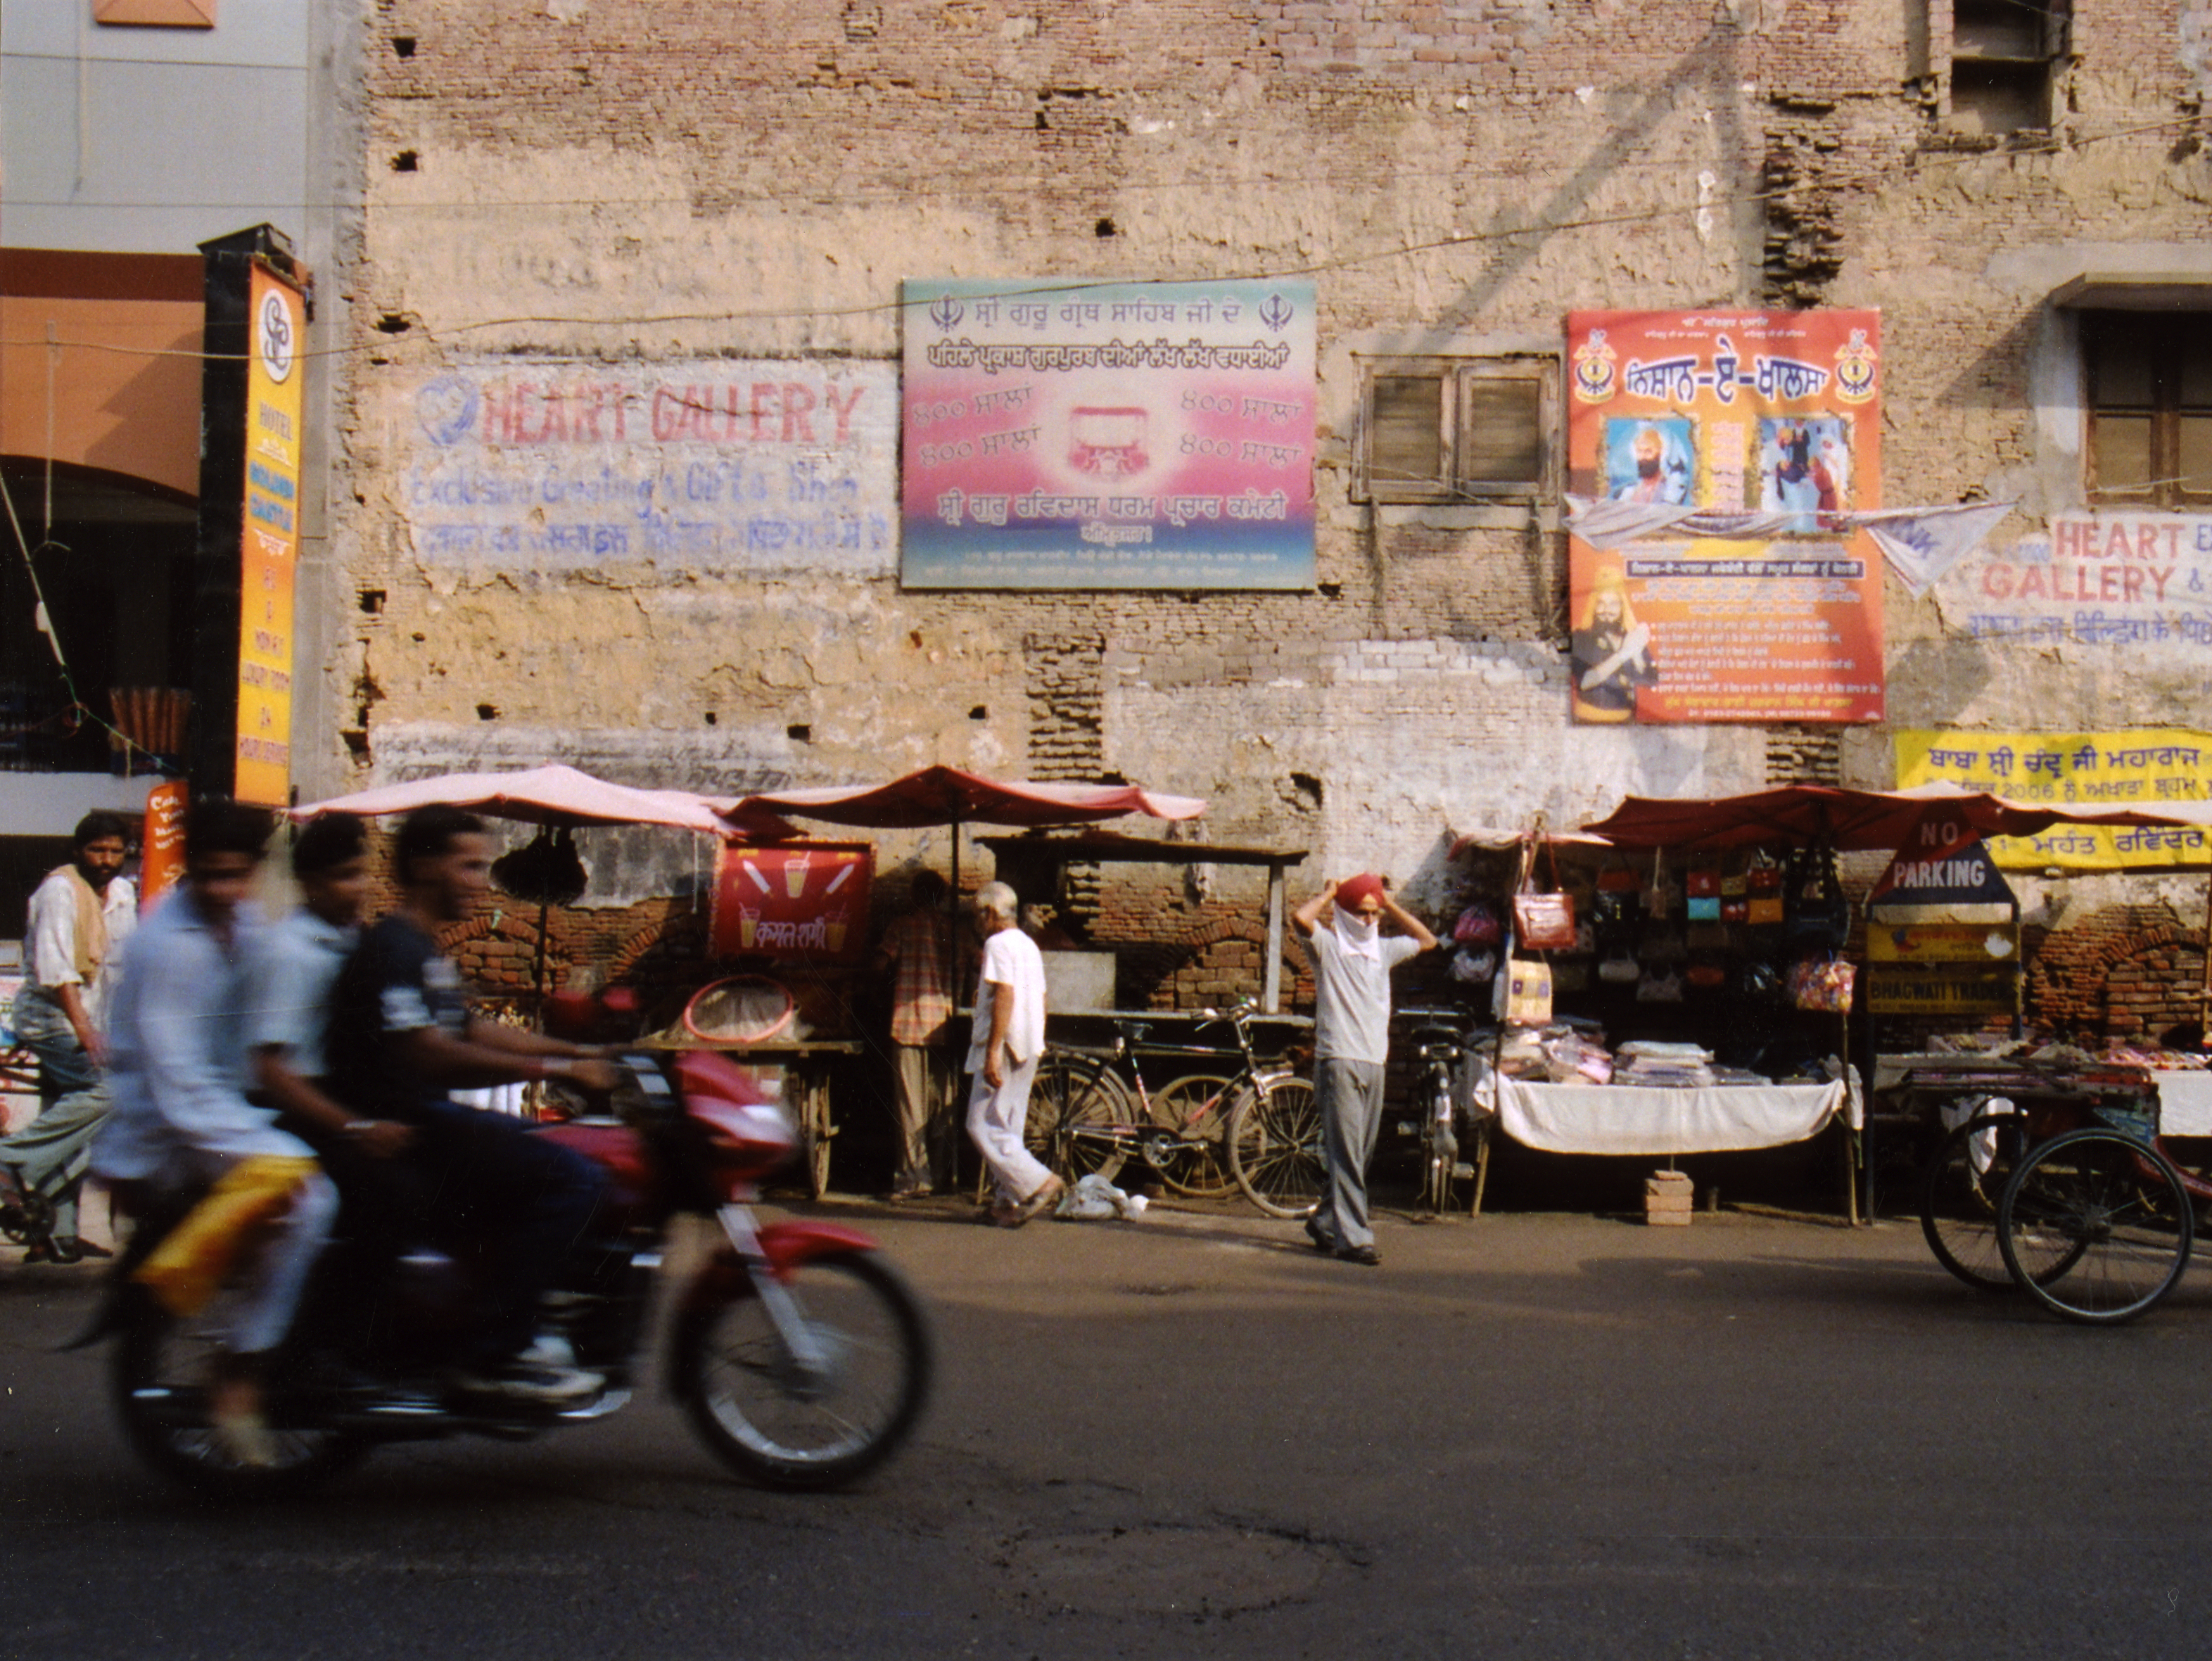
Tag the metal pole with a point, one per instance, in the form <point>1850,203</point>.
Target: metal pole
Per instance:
<point>1271,994</point>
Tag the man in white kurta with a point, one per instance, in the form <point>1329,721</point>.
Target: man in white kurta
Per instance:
<point>1003,1054</point>
<point>80,916</point>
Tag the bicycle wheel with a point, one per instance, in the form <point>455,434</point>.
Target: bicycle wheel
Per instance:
<point>2096,1226</point>
<point>1080,1118</point>
<point>1274,1148</point>
<point>1189,1146</point>
<point>1959,1193</point>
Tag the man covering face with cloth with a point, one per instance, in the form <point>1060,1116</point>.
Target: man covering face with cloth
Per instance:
<point>1351,963</point>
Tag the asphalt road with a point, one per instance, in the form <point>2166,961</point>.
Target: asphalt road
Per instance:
<point>1527,1435</point>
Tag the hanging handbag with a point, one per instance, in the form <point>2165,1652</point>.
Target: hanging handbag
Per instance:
<point>1706,976</point>
<point>1478,925</point>
<point>1543,919</point>
<point>1763,875</point>
<point>1620,969</point>
<point>1569,977</point>
<point>1473,965</point>
<point>1660,896</point>
<point>1818,915</point>
<point>1659,988</point>
<point>1527,992</point>
<point>1762,910</point>
<point>1734,911</point>
<point>1704,908</point>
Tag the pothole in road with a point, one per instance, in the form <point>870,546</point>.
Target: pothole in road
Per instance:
<point>1194,1571</point>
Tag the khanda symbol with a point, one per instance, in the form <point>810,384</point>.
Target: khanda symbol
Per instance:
<point>945,311</point>
<point>1276,312</point>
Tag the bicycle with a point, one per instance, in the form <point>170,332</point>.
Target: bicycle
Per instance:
<point>1253,1127</point>
<point>1442,1045</point>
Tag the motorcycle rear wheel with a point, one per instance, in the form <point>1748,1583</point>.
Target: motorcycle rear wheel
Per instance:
<point>160,1370</point>
<point>751,1402</point>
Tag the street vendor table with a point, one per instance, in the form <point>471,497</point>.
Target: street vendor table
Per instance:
<point>1611,1118</point>
<point>807,1064</point>
<point>1642,1119</point>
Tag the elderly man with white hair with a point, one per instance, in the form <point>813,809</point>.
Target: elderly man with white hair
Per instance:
<point>1009,1037</point>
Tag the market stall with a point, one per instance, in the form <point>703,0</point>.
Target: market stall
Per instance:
<point>1715,936</point>
<point>932,796</point>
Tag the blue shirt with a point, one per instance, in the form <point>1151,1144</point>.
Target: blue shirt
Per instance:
<point>179,1059</point>
<point>299,960</point>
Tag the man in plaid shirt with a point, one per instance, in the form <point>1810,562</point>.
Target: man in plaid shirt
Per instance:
<point>918,951</point>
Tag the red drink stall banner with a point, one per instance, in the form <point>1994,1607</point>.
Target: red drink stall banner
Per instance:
<point>806,902</point>
<point>1713,458</point>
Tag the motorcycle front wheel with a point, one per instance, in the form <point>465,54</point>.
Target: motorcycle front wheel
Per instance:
<point>790,1421</point>
<point>160,1372</point>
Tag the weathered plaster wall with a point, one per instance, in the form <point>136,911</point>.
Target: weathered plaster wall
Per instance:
<point>613,183</point>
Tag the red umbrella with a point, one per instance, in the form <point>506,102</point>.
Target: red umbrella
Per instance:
<point>558,796</point>
<point>562,798</point>
<point>946,795</point>
<point>1845,820</point>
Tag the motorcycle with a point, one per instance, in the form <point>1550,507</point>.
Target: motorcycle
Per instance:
<point>798,1354</point>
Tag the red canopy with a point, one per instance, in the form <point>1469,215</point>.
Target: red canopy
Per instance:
<point>946,795</point>
<point>1848,820</point>
<point>556,795</point>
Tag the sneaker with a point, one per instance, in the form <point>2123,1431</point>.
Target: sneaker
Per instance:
<point>519,1380</point>
<point>1358,1254</point>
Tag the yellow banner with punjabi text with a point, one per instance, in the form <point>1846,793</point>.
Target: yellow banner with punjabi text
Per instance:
<point>2151,767</point>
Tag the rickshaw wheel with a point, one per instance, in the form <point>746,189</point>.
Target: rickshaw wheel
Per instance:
<point>1959,1194</point>
<point>2096,1226</point>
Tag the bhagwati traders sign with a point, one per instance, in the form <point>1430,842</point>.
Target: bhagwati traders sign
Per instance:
<point>1109,436</point>
<point>2141,582</point>
<point>1771,422</point>
<point>2140,767</point>
<point>707,465</point>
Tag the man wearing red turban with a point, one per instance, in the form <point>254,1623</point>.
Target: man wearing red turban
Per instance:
<point>1351,962</point>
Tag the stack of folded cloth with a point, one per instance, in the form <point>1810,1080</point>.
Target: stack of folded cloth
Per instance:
<point>1664,1065</point>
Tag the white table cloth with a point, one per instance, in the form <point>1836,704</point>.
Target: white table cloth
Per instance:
<point>1566,1118</point>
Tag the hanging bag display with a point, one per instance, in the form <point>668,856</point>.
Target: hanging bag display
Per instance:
<point>1822,985</point>
<point>1543,919</point>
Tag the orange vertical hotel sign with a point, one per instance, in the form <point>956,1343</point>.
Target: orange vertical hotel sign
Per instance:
<point>270,544</point>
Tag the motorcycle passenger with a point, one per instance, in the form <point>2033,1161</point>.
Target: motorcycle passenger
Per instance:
<point>382,1202</point>
<point>401,1035</point>
<point>180,1068</point>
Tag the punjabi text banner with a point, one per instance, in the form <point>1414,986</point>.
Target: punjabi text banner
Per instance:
<point>2153,768</point>
<point>1108,436</point>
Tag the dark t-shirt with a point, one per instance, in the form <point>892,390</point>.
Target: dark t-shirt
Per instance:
<point>395,982</point>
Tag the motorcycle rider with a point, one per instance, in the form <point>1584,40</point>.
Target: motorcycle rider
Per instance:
<point>180,1068</point>
<point>401,1035</point>
<point>382,1202</point>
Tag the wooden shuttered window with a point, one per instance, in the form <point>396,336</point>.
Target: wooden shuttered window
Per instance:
<point>1464,430</point>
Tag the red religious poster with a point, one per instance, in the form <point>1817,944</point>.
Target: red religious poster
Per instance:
<point>1713,458</point>
<point>805,900</point>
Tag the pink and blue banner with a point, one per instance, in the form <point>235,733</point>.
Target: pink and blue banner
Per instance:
<point>1063,435</point>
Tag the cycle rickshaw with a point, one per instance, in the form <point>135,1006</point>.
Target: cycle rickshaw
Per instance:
<point>2060,1185</point>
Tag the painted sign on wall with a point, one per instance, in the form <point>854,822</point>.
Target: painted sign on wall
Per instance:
<point>1109,436</point>
<point>2147,767</point>
<point>708,465</point>
<point>2142,581</point>
<point>1771,422</point>
<point>268,548</point>
<point>807,902</point>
